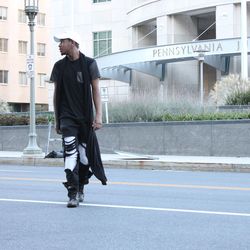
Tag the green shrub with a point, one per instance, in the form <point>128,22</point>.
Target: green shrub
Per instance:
<point>208,116</point>
<point>228,88</point>
<point>239,98</point>
<point>21,119</point>
<point>157,111</point>
<point>10,120</point>
<point>140,112</point>
<point>150,110</point>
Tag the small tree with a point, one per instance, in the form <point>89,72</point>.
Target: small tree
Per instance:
<point>4,107</point>
<point>227,88</point>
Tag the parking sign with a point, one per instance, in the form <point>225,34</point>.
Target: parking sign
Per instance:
<point>30,66</point>
<point>104,94</point>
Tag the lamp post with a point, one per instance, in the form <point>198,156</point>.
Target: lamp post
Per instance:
<point>31,10</point>
<point>200,58</point>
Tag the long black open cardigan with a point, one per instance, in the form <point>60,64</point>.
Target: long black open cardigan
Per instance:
<point>92,150</point>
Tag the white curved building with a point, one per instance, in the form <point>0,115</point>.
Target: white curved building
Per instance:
<point>141,46</point>
<point>153,45</point>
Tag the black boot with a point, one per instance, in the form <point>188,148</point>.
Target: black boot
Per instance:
<point>80,194</point>
<point>72,187</point>
<point>84,176</point>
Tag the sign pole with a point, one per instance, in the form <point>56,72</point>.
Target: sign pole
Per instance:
<point>32,150</point>
<point>105,99</point>
<point>106,112</point>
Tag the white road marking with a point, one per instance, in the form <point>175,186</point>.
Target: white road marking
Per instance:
<point>133,207</point>
<point>15,171</point>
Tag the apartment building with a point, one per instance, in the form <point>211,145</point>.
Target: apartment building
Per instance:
<point>14,49</point>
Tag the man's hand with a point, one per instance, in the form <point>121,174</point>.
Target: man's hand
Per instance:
<point>97,123</point>
<point>58,131</point>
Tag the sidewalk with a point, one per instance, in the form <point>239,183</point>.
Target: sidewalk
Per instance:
<point>157,162</point>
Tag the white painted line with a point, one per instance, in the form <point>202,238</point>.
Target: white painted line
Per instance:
<point>171,210</point>
<point>33,201</point>
<point>15,171</point>
<point>133,207</point>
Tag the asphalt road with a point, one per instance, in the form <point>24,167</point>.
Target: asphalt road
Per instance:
<point>138,209</point>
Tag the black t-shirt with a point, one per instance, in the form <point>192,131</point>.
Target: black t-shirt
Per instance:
<point>72,88</point>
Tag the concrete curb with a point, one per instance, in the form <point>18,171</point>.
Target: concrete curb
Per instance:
<point>182,166</point>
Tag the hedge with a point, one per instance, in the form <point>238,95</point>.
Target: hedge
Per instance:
<point>15,119</point>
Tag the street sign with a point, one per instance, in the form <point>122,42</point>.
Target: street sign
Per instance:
<point>104,94</point>
<point>30,66</point>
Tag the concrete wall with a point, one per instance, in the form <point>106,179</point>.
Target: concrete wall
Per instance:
<point>205,138</point>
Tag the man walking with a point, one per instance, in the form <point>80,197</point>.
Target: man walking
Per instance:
<point>76,79</point>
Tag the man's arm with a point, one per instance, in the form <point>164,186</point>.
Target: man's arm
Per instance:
<point>54,79</point>
<point>97,123</point>
<point>57,127</point>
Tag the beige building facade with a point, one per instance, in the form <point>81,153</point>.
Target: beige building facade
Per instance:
<point>14,49</point>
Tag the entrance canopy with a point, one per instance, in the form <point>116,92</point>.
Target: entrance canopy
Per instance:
<point>152,60</point>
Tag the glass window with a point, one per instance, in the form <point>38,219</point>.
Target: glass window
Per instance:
<point>23,78</point>
<point>102,43</point>
<point>3,45</point>
<point>41,49</point>
<point>3,13</point>
<point>22,16</point>
<point>22,47</point>
<point>41,77</point>
<point>4,76</point>
<point>100,1</point>
<point>41,19</point>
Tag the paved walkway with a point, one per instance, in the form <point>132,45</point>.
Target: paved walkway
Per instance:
<point>129,160</point>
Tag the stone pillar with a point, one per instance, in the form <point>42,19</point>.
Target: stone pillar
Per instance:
<point>225,21</point>
<point>163,30</point>
<point>228,26</point>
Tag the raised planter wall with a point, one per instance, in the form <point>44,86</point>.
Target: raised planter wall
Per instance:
<point>204,138</point>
